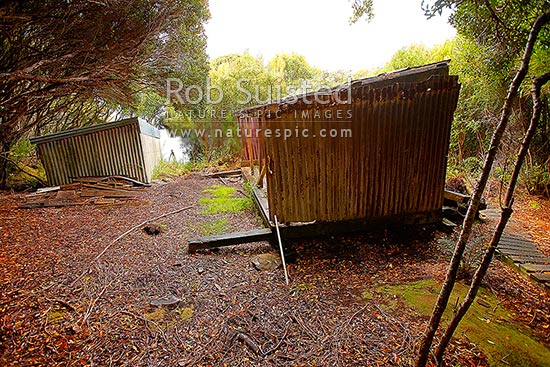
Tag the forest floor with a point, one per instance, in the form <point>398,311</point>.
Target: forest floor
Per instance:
<point>343,307</point>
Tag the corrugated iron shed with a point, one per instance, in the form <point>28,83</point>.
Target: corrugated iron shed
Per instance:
<point>391,164</point>
<point>129,147</point>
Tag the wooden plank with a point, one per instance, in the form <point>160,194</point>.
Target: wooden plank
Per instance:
<point>234,172</point>
<point>260,181</point>
<point>259,198</point>
<point>536,268</point>
<point>516,237</point>
<point>263,205</point>
<point>230,239</point>
<point>456,196</point>
<point>514,242</point>
<point>541,277</point>
<point>88,193</point>
<point>48,204</point>
<point>43,190</point>
<point>66,195</point>
<point>517,252</point>
<point>518,246</point>
<point>533,259</point>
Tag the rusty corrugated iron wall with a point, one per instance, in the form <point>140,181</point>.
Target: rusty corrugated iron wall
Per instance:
<point>393,164</point>
<point>115,148</point>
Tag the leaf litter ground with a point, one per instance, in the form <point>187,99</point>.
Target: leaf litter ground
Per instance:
<point>59,307</point>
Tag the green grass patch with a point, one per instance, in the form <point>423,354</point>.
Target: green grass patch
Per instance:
<point>215,227</point>
<point>487,325</point>
<point>168,169</point>
<point>221,199</point>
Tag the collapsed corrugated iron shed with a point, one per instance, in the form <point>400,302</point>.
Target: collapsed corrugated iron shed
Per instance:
<point>129,147</point>
<point>390,168</point>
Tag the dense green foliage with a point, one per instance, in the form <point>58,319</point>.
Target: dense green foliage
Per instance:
<point>492,36</point>
<point>485,54</point>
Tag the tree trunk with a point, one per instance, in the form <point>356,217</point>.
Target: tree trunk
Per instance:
<point>504,217</point>
<point>446,289</point>
<point>4,163</point>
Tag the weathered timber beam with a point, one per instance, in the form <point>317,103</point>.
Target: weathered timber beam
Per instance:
<point>234,172</point>
<point>456,197</point>
<point>230,239</point>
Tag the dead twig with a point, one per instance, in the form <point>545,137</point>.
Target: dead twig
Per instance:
<point>125,234</point>
<point>300,322</point>
<point>357,313</point>
<point>94,301</point>
<point>63,303</point>
<point>274,349</point>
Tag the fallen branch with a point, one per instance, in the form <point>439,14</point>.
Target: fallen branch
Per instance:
<point>235,172</point>
<point>356,314</point>
<point>125,234</point>
<point>424,349</point>
<point>506,213</point>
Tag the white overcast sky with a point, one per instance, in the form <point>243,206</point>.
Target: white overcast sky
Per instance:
<point>320,30</point>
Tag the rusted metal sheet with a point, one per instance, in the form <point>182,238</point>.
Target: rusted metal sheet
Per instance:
<point>393,163</point>
<point>128,148</point>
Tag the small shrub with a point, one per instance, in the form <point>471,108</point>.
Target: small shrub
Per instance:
<point>168,169</point>
<point>457,184</point>
<point>502,174</point>
<point>536,179</point>
<point>472,166</point>
<point>24,168</point>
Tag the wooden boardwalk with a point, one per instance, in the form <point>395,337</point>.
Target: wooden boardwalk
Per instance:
<point>518,249</point>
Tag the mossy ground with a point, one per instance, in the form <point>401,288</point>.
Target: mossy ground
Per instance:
<point>486,324</point>
<point>221,199</point>
<point>215,227</point>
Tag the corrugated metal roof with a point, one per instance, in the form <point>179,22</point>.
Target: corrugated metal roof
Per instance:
<point>145,128</point>
<point>406,75</point>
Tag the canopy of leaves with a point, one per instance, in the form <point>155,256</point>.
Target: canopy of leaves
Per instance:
<point>62,61</point>
<point>492,36</point>
<point>362,9</point>
<point>247,80</point>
